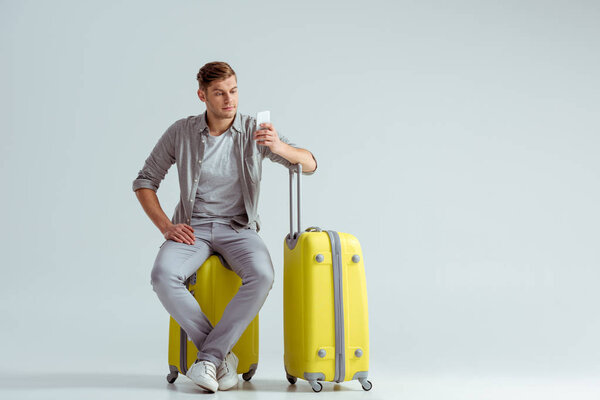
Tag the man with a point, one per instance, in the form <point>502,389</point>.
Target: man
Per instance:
<point>218,155</point>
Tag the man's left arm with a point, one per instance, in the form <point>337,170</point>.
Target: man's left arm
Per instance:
<point>268,137</point>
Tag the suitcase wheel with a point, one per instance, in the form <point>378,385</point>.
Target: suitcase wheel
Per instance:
<point>172,374</point>
<point>316,386</point>
<point>247,375</point>
<point>291,379</point>
<point>366,385</point>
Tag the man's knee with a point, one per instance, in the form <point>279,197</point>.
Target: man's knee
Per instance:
<point>269,278</point>
<point>264,276</point>
<point>162,276</point>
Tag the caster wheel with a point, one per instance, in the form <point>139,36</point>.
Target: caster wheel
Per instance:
<point>172,377</point>
<point>367,386</point>
<point>316,386</point>
<point>291,379</point>
<point>247,376</point>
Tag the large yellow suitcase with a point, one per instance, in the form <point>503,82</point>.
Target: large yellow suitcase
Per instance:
<point>213,285</point>
<point>326,333</point>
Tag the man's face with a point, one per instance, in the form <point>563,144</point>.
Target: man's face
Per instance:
<point>221,98</point>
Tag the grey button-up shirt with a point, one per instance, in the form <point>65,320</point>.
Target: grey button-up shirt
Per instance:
<point>183,143</point>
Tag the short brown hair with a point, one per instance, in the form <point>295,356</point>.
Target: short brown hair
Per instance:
<point>214,71</point>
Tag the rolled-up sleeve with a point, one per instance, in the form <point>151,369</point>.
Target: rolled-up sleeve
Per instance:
<point>266,152</point>
<point>158,162</point>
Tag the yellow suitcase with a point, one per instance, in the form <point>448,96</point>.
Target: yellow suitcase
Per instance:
<point>213,285</point>
<point>326,333</point>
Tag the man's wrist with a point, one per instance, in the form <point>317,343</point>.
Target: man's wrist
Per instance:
<point>280,149</point>
<point>163,226</point>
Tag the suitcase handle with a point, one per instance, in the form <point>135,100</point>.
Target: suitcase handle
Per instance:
<point>297,168</point>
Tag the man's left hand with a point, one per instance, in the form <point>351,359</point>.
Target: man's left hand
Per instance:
<point>267,136</point>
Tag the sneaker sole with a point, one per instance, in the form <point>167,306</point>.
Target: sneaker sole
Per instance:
<point>226,384</point>
<point>206,385</point>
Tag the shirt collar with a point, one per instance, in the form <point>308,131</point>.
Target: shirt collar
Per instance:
<point>237,123</point>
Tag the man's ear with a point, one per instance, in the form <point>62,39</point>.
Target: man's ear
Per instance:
<point>201,95</point>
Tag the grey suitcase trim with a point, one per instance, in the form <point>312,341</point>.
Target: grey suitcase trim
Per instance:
<point>183,336</point>
<point>338,295</point>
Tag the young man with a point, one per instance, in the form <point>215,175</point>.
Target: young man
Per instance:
<point>218,155</point>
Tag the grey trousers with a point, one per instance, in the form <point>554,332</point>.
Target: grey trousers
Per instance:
<point>248,257</point>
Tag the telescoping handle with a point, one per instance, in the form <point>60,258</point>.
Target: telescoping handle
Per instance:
<point>295,169</point>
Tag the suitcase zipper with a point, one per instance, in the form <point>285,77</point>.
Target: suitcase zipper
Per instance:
<point>338,295</point>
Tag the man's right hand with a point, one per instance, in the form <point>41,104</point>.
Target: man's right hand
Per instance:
<point>180,233</point>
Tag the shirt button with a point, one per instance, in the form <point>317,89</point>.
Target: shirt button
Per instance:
<point>195,180</point>
<point>200,161</point>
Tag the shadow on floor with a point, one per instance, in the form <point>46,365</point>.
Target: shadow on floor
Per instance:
<point>81,380</point>
<point>152,382</point>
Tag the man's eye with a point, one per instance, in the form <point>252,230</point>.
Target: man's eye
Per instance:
<point>219,93</point>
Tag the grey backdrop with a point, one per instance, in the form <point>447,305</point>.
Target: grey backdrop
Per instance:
<point>457,140</point>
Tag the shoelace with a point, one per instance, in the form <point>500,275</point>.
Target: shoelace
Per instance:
<point>209,369</point>
<point>223,369</point>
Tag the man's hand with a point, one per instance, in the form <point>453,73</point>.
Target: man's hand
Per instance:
<point>267,136</point>
<point>180,233</point>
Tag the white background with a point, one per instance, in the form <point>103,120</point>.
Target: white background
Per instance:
<point>457,140</point>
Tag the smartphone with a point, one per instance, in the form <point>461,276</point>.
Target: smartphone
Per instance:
<point>262,117</point>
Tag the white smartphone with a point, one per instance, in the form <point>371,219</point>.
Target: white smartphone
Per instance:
<point>262,117</point>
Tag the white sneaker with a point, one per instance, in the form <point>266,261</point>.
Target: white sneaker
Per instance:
<point>227,373</point>
<point>203,374</point>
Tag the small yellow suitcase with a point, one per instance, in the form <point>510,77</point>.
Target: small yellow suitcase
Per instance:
<point>213,285</point>
<point>326,333</point>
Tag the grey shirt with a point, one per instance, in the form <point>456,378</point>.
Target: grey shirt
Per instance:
<point>183,143</point>
<point>219,196</point>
